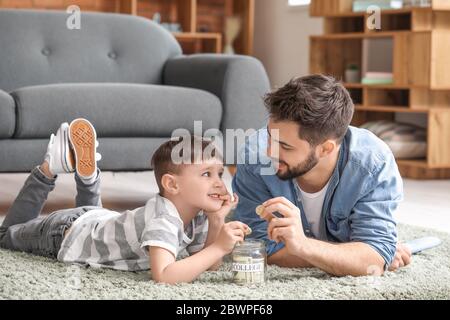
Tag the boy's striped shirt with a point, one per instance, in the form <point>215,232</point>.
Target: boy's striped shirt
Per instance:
<point>108,239</point>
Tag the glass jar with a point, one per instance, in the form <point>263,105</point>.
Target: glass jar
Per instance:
<point>249,262</point>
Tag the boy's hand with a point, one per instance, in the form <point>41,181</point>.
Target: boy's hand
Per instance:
<point>230,234</point>
<point>227,206</point>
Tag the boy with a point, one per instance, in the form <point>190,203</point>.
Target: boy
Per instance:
<point>187,216</point>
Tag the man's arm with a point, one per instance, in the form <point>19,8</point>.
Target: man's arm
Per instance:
<point>282,258</point>
<point>252,192</point>
<point>353,258</point>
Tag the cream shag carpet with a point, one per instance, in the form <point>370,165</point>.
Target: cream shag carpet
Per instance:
<point>24,276</point>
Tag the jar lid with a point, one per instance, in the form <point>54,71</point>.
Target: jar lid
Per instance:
<point>250,244</point>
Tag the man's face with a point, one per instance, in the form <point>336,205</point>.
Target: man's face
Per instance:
<point>295,156</point>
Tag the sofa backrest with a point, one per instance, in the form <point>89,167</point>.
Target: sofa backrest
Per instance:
<point>37,47</point>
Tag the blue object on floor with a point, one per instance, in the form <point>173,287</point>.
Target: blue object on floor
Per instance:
<point>420,244</point>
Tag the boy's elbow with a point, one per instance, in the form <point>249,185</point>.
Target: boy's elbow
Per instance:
<point>154,276</point>
<point>163,280</point>
<point>169,278</point>
<point>160,277</point>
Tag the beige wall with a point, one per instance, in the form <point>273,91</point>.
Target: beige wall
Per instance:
<point>282,39</point>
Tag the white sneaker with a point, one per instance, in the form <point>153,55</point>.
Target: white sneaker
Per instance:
<point>59,156</point>
<point>83,139</point>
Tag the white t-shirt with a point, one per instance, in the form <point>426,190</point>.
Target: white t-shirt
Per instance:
<point>312,204</point>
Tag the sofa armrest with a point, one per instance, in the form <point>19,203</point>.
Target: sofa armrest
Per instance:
<point>7,115</point>
<point>240,82</point>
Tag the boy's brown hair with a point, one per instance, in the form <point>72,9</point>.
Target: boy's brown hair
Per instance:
<point>199,149</point>
<point>319,104</point>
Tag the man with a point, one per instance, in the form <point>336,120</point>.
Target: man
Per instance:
<point>331,202</point>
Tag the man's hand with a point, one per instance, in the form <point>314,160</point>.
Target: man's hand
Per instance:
<point>402,257</point>
<point>227,205</point>
<point>289,228</point>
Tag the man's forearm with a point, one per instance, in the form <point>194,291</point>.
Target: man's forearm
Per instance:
<point>283,259</point>
<point>355,258</point>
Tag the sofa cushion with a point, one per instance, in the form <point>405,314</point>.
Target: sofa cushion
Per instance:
<point>116,110</point>
<point>7,116</point>
<point>37,48</point>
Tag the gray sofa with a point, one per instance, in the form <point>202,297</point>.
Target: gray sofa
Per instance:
<point>125,74</point>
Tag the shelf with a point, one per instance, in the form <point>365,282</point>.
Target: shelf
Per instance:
<point>361,35</point>
<point>392,109</point>
<point>413,45</point>
<point>423,164</point>
<point>389,86</point>
<point>383,12</point>
<point>200,21</point>
<point>197,35</point>
<point>419,58</point>
<point>388,23</point>
<point>419,169</point>
<point>206,42</point>
<point>387,98</point>
<point>343,21</point>
<point>420,163</point>
<point>376,86</point>
<point>193,16</point>
<point>338,25</point>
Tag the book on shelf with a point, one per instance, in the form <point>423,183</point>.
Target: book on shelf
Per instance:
<point>363,5</point>
<point>378,78</point>
<point>417,3</point>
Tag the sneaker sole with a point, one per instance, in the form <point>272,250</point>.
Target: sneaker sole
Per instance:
<point>82,137</point>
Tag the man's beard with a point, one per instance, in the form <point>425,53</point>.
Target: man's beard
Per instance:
<point>301,169</point>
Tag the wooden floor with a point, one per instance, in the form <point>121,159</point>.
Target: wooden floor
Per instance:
<point>427,203</point>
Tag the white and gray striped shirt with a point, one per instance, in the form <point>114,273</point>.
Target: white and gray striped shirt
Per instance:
<point>107,239</point>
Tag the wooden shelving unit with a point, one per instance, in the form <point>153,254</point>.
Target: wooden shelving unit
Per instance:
<point>420,67</point>
<point>202,21</point>
<point>200,42</point>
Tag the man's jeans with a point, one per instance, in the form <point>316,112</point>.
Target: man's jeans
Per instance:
<point>24,230</point>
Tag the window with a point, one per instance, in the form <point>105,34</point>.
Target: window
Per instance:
<point>299,2</point>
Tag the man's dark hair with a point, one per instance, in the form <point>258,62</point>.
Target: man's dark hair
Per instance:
<point>319,104</point>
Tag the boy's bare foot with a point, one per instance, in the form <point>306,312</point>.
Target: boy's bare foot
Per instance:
<point>83,139</point>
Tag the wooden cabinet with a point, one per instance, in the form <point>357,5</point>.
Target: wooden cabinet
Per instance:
<point>420,67</point>
<point>202,21</point>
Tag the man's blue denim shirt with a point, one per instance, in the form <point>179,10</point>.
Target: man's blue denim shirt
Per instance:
<point>364,192</point>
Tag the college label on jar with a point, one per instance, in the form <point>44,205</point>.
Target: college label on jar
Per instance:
<point>248,270</point>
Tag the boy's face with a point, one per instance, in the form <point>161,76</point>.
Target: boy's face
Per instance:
<point>200,185</point>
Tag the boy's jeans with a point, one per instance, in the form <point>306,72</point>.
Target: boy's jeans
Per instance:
<point>23,229</point>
